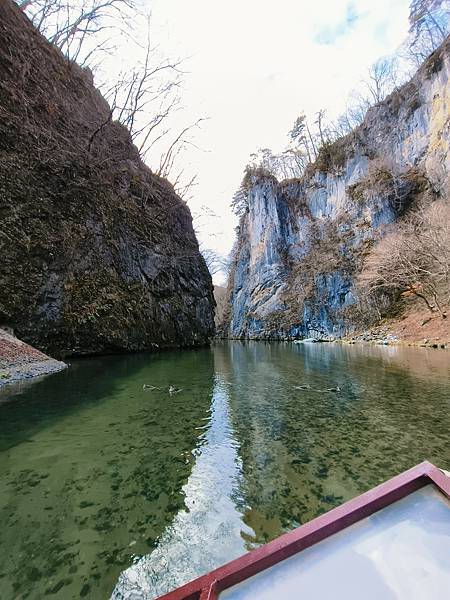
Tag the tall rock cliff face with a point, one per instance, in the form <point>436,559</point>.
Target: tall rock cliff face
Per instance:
<point>301,242</point>
<point>97,254</point>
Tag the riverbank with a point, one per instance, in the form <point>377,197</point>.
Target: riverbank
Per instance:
<point>415,327</point>
<point>19,361</point>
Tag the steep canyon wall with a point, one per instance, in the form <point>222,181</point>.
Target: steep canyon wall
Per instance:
<point>97,253</point>
<point>301,243</point>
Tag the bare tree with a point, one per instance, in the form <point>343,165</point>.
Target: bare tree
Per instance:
<point>305,144</point>
<point>380,80</point>
<point>239,202</point>
<point>323,133</point>
<point>308,142</point>
<point>169,156</point>
<point>429,22</point>
<point>80,28</point>
<point>145,97</point>
<point>294,162</point>
<point>301,135</point>
<point>142,98</point>
<point>414,259</point>
<point>215,262</point>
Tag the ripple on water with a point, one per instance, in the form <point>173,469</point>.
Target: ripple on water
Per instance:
<point>107,488</point>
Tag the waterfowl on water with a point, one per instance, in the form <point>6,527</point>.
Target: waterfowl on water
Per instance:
<point>146,386</point>
<point>306,386</point>
<point>174,390</point>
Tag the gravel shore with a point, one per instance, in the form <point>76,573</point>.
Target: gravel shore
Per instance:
<point>19,361</point>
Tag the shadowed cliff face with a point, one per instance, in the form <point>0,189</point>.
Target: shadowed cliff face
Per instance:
<point>97,253</point>
<point>301,242</point>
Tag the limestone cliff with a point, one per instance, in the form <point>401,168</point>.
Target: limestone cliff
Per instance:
<point>97,253</point>
<point>301,242</point>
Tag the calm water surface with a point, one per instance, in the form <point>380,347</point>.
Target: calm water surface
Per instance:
<point>109,490</point>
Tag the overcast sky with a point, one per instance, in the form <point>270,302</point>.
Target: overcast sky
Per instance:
<point>254,65</point>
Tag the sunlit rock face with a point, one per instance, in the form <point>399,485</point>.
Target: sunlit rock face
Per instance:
<point>301,242</point>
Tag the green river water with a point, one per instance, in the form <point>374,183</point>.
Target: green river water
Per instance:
<point>110,490</point>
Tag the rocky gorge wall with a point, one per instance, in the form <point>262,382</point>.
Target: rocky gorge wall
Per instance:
<point>97,254</point>
<point>301,243</point>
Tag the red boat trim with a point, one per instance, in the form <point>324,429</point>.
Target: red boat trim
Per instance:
<point>208,587</point>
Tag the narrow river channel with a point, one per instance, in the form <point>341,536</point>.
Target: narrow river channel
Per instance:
<point>108,489</point>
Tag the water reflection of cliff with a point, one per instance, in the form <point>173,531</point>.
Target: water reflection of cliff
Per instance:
<point>293,431</point>
<point>306,450</point>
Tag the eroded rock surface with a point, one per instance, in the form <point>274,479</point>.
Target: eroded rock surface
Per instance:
<point>98,254</point>
<point>301,242</point>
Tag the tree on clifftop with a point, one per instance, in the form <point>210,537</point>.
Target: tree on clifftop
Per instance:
<point>144,96</point>
<point>80,29</point>
<point>429,25</point>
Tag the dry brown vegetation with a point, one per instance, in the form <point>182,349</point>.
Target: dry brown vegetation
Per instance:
<point>412,260</point>
<point>332,156</point>
<point>381,180</point>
